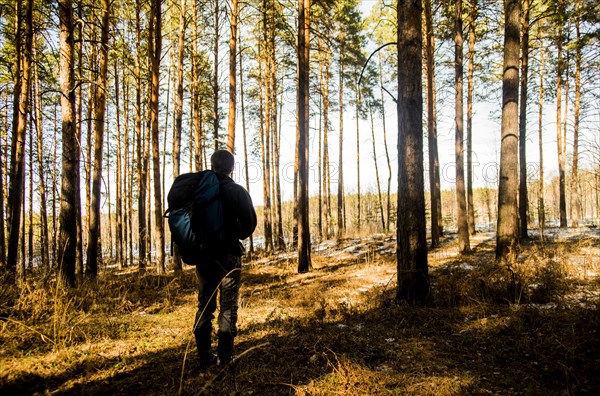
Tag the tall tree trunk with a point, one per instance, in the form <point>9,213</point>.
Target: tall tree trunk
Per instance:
<point>16,146</point>
<point>326,168</point>
<point>304,259</point>
<point>461,203</point>
<point>434,164</point>
<point>358,190</point>
<point>196,101</point>
<point>233,22</point>
<point>127,180</point>
<point>42,172</point>
<point>560,67</point>
<point>119,237</point>
<point>17,164</point>
<point>251,249</point>
<point>470,206</point>
<point>508,226</point>
<point>413,276</point>
<point>265,130</point>
<point>94,233</point>
<point>142,158</point>
<point>79,128</point>
<point>541,209</point>
<point>178,113</point>
<point>70,150</point>
<point>575,167</point>
<point>155,47</point>
<point>340,190</point>
<point>523,198</point>
<point>376,169</point>
<point>216,78</point>
<point>87,163</point>
<point>385,145</point>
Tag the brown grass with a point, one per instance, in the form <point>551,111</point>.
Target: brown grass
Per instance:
<point>530,327</point>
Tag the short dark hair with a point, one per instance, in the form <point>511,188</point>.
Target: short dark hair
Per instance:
<point>222,161</point>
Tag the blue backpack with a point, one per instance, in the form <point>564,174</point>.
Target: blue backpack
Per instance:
<point>195,214</point>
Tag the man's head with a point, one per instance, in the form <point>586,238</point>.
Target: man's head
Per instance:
<point>222,161</point>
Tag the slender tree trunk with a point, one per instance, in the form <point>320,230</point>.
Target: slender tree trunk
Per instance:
<point>434,166</point>
<point>461,203</point>
<point>42,172</point>
<point>358,190</point>
<point>340,192</point>
<point>70,150</point>
<point>413,277</point>
<point>142,158</point>
<point>233,22</point>
<point>380,200</point>
<point>196,101</point>
<point>541,209</point>
<point>470,206</point>
<point>17,164</point>
<point>385,145</point>
<point>178,113</point>
<point>216,78</point>
<point>79,128</point>
<point>14,198</point>
<point>508,226</point>
<point>265,129</point>
<point>575,167</point>
<point>87,163</point>
<point>30,193</point>
<point>94,233</point>
<point>304,259</point>
<point>560,64</point>
<point>251,249</point>
<point>127,177</point>
<point>119,237</point>
<point>523,198</point>
<point>155,46</point>
<point>325,173</point>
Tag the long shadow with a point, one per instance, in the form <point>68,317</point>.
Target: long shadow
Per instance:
<point>522,351</point>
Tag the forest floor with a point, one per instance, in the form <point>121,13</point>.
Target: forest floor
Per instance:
<point>528,328</point>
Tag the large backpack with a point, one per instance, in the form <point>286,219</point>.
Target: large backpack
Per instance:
<point>195,214</point>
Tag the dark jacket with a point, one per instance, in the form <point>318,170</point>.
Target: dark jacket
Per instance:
<point>240,217</point>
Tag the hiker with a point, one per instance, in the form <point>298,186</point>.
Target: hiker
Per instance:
<point>220,264</point>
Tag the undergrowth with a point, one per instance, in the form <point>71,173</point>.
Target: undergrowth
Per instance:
<point>525,327</point>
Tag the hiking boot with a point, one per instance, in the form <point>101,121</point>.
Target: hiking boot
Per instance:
<point>203,343</point>
<point>207,360</point>
<point>225,348</point>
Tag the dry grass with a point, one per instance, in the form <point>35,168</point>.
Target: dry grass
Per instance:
<point>526,328</point>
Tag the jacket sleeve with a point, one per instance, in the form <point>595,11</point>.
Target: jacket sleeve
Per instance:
<point>245,213</point>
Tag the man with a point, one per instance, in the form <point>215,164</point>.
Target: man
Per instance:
<point>219,269</point>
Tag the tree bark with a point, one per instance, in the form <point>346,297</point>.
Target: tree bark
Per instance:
<point>304,259</point>
<point>413,277</point>
<point>155,46</point>
<point>42,172</point>
<point>142,158</point>
<point>233,22</point>
<point>70,150</point>
<point>380,200</point>
<point>434,164</point>
<point>461,203</point>
<point>560,66</point>
<point>523,198</point>
<point>470,206</point>
<point>94,234</point>
<point>541,209</point>
<point>178,113</point>
<point>575,215</point>
<point>508,227</point>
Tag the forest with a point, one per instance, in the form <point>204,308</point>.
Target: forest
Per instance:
<point>426,176</point>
